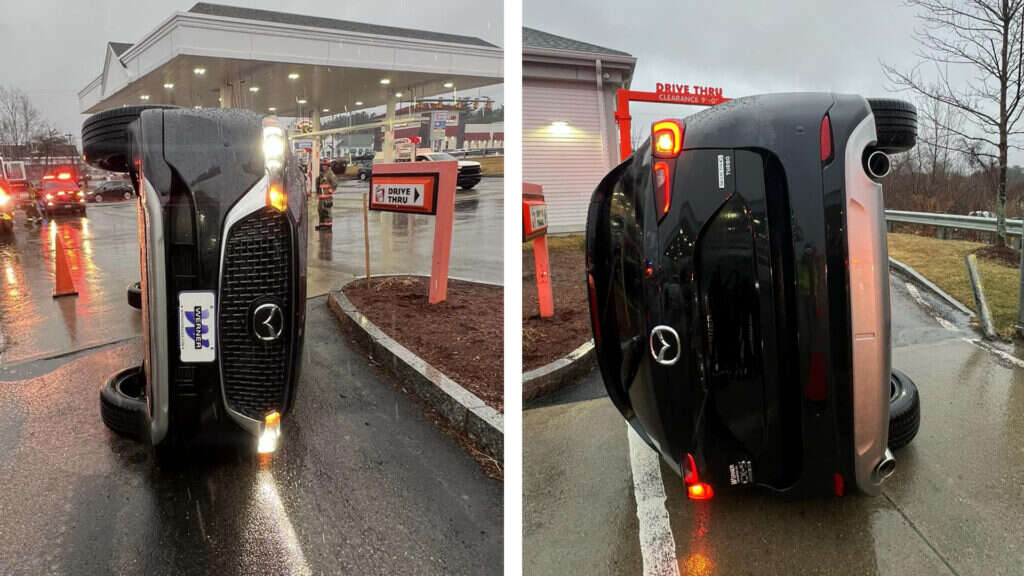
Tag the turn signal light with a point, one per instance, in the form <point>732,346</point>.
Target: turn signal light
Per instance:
<point>667,138</point>
<point>277,198</point>
<point>700,491</point>
<point>270,434</point>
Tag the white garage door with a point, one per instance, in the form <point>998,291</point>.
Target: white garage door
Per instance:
<point>563,148</point>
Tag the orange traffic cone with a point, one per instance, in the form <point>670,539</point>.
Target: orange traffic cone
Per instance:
<point>65,287</point>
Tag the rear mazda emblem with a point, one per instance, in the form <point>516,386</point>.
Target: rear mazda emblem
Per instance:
<point>665,345</point>
<point>267,321</point>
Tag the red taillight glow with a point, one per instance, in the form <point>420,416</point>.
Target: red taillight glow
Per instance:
<point>837,484</point>
<point>826,139</point>
<point>667,138</point>
<point>662,188</point>
<point>690,474</point>
<point>700,491</point>
<point>64,176</point>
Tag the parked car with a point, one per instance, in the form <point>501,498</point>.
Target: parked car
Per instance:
<point>336,165</point>
<point>739,294</point>
<point>469,171</point>
<point>222,253</point>
<point>111,190</point>
<point>61,194</point>
<point>365,170</point>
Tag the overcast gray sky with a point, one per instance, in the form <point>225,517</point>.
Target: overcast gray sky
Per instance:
<point>53,48</point>
<point>744,47</point>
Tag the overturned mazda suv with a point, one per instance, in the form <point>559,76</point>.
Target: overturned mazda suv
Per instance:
<point>739,294</point>
<point>222,253</point>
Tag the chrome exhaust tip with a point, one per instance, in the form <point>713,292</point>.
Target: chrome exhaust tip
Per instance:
<point>878,164</point>
<point>886,467</point>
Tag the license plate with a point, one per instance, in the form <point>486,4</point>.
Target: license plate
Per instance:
<point>196,326</point>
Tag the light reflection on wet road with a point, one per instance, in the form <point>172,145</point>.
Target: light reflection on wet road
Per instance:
<point>102,250</point>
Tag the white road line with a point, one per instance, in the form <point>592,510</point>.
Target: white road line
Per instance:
<point>1004,355</point>
<point>916,295</point>
<point>657,546</point>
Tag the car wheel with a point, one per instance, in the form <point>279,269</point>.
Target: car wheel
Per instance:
<point>904,410</point>
<point>895,124</point>
<point>135,295</point>
<point>98,198</point>
<point>127,195</point>
<point>362,175</point>
<point>123,403</point>
<point>104,138</point>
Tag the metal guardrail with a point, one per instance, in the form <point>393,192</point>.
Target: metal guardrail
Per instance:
<point>978,223</point>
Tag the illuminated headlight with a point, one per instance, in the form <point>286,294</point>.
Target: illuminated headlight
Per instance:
<point>270,434</point>
<point>4,198</point>
<point>273,147</point>
<point>49,196</point>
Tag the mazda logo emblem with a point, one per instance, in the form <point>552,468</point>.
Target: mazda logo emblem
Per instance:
<point>267,322</point>
<point>665,345</point>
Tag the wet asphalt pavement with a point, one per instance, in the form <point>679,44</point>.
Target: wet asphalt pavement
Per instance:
<point>102,251</point>
<point>364,482</point>
<point>953,505</point>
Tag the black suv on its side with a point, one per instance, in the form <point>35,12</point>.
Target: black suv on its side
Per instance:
<point>222,252</point>
<point>739,293</point>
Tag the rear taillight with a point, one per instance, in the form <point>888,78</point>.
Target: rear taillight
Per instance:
<point>695,489</point>
<point>666,145</point>
<point>826,139</point>
<point>667,139</point>
<point>662,189</point>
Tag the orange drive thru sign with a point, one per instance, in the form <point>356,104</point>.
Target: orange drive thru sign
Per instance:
<point>535,228</point>
<point>421,188</point>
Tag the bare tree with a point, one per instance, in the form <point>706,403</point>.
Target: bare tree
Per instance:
<point>982,38</point>
<point>20,121</point>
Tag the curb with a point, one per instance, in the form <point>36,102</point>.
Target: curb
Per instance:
<point>556,375</point>
<point>463,409</point>
<point>920,280</point>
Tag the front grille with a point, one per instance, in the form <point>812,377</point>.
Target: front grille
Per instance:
<point>257,268</point>
<point>469,170</point>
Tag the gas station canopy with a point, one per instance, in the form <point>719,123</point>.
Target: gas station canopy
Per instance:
<point>286,64</point>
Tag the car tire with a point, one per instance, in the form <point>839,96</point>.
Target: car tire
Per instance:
<point>362,176</point>
<point>904,410</point>
<point>104,138</point>
<point>134,292</point>
<point>895,124</point>
<point>467,186</point>
<point>98,198</point>
<point>123,403</point>
<point>127,195</point>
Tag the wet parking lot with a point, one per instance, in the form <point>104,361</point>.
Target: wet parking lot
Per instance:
<point>364,481</point>
<point>952,507</point>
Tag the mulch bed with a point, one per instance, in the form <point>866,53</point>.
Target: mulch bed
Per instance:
<point>463,336</point>
<point>548,339</point>
<point>1001,254</point>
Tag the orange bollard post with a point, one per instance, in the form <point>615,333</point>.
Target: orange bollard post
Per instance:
<point>540,257</point>
<point>64,285</point>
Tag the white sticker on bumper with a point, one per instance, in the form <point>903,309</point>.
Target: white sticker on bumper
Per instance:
<point>196,326</point>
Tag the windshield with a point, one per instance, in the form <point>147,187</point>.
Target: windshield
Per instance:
<point>440,156</point>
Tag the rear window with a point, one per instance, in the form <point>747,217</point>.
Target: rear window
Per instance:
<point>57,185</point>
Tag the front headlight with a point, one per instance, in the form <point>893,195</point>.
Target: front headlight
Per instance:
<point>274,149</point>
<point>273,146</point>
<point>4,199</point>
<point>49,196</point>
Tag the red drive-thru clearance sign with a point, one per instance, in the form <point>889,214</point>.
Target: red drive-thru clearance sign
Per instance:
<point>665,93</point>
<point>421,188</point>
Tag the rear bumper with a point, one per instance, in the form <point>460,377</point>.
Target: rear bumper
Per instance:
<point>869,311</point>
